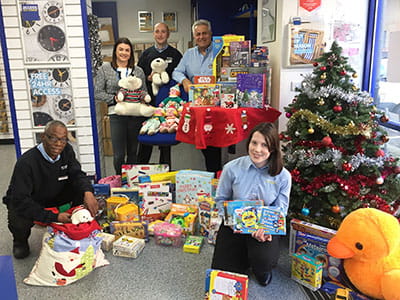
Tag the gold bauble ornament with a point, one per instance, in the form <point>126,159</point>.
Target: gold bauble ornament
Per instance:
<point>355,75</point>
<point>321,102</point>
<point>310,130</point>
<point>323,76</point>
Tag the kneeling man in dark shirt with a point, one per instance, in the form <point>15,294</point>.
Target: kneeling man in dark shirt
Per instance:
<point>48,175</point>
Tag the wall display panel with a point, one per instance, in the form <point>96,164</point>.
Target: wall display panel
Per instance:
<point>51,95</point>
<point>43,31</point>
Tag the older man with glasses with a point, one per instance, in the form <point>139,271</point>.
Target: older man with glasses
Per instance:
<point>47,175</point>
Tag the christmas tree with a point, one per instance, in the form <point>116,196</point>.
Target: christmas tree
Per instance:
<point>333,147</point>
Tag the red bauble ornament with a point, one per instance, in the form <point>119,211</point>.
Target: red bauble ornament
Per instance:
<point>380,153</point>
<point>335,209</point>
<point>346,167</point>
<point>315,64</point>
<point>337,108</point>
<point>322,81</point>
<point>326,141</point>
<point>288,115</point>
<point>384,119</point>
<point>323,68</point>
<point>342,73</point>
<point>281,136</point>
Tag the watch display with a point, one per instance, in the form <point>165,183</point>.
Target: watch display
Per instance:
<point>53,12</point>
<point>63,105</point>
<point>51,38</point>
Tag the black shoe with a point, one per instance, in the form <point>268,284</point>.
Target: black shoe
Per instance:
<point>265,279</point>
<point>20,250</point>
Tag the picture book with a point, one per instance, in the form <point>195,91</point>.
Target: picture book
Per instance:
<point>205,94</point>
<point>231,205</point>
<point>191,184</point>
<point>130,173</point>
<point>307,271</point>
<point>251,90</point>
<point>240,52</point>
<point>225,285</point>
<point>251,218</point>
<point>228,91</point>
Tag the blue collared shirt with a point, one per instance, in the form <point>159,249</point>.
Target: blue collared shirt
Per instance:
<point>193,63</point>
<point>242,180</point>
<point>45,155</point>
<point>159,50</point>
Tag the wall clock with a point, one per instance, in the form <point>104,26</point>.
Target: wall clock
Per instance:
<point>41,118</point>
<point>53,12</point>
<point>60,77</point>
<point>63,105</point>
<point>51,38</point>
<point>58,58</point>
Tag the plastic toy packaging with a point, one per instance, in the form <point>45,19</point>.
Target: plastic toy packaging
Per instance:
<point>168,234</point>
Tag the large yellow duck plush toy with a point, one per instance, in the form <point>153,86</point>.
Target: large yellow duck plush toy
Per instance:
<point>369,242</point>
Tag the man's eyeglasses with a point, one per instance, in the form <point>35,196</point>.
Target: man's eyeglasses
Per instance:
<point>54,139</point>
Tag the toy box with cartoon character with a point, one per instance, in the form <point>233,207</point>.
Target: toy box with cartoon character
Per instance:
<point>311,239</point>
<point>249,219</point>
<point>208,218</point>
<point>205,94</point>
<point>229,207</point>
<point>307,271</point>
<point>131,173</point>
<point>168,234</point>
<point>225,285</point>
<point>191,184</point>
<point>193,244</point>
<point>184,215</point>
<point>127,246</point>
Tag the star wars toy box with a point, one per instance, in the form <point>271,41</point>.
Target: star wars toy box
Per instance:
<point>191,184</point>
<point>156,200</point>
<point>131,173</point>
<point>240,53</point>
<point>307,271</point>
<point>205,94</point>
<point>221,53</point>
<point>249,219</point>
<point>225,285</point>
<point>127,246</point>
<point>311,239</point>
<point>193,244</point>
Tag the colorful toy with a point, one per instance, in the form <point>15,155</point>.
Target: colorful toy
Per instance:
<point>152,125</point>
<point>159,75</point>
<point>307,271</point>
<point>369,242</point>
<point>170,124</point>
<point>167,234</point>
<point>81,215</point>
<point>131,98</point>
<point>193,244</point>
<point>173,99</point>
<point>127,212</point>
<point>183,215</point>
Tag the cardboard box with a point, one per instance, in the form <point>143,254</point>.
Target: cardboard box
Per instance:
<point>307,271</point>
<point>103,108</point>
<point>107,147</point>
<point>193,244</point>
<point>107,241</point>
<point>127,246</point>
<point>106,127</point>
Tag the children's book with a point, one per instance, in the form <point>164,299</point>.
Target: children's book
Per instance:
<point>251,90</point>
<point>205,94</point>
<point>228,92</point>
<point>251,218</point>
<point>231,205</point>
<point>191,184</point>
<point>240,53</point>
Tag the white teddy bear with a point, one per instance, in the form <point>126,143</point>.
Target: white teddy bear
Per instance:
<point>132,99</point>
<point>81,215</point>
<point>160,76</point>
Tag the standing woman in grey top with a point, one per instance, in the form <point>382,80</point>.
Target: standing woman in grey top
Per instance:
<point>124,129</point>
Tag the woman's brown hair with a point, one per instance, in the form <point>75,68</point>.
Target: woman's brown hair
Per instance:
<point>131,61</point>
<point>270,133</point>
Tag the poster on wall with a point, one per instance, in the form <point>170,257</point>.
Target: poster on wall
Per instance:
<point>306,45</point>
<point>145,19</point>
<point>169,18</point>
<point>51,96</point>
<point>43,31</point>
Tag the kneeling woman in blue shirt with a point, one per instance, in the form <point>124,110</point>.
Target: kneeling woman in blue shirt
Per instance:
<point>259,175</point>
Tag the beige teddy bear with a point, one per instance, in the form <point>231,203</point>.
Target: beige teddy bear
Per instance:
<point>159,75</point>
<point>132,99</point>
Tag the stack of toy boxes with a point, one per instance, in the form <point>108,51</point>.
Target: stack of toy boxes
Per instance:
<point>127,246</point>
<point>225,285</point>
<point>311,240</point>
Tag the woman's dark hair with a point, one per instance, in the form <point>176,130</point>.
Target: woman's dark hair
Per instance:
<point>270,133</point>
<point>131,61</point>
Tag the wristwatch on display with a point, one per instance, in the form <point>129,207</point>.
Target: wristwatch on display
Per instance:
<point>53,12</point>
